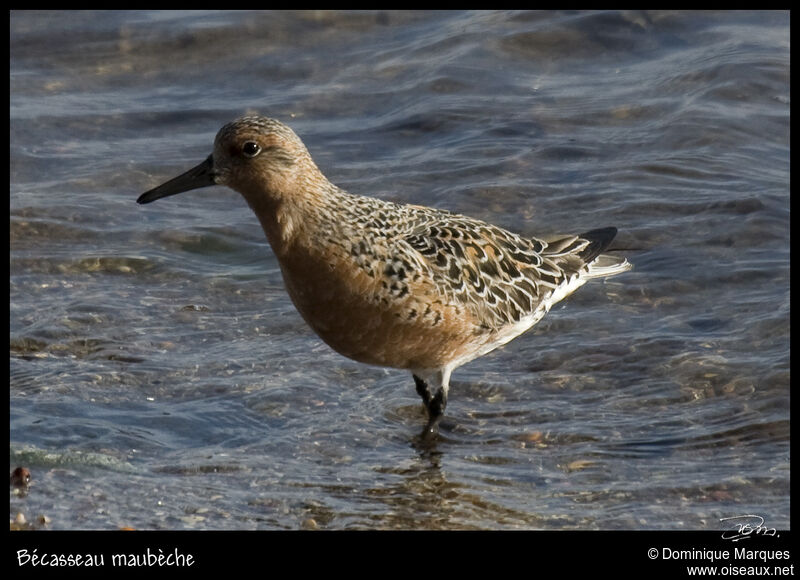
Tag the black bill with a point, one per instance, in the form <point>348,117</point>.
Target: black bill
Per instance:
<point>197,177</point>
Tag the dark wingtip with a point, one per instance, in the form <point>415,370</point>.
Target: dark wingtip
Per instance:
<point>599,240</point>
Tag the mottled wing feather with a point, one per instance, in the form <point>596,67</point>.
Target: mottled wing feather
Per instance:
<point>500,276</point>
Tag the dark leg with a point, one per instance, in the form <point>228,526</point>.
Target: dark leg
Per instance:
<point>436,410</point>
<point>434,403</point>
<point>423,390</point>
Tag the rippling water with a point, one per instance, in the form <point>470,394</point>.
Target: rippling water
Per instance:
<point>161,379</point>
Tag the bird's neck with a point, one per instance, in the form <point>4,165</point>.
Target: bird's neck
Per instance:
<point>294,213</point>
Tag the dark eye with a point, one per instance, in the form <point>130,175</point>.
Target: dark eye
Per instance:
<point>251,148</point>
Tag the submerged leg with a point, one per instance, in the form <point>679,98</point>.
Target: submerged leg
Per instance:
<point>435,399</point>
<point>436,411</point>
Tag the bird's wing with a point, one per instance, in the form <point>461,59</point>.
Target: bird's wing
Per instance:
<point>501,276</point>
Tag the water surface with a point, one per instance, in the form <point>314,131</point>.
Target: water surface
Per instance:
<point>160,377</point>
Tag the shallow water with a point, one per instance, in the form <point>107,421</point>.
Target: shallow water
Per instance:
<point>160,377</point>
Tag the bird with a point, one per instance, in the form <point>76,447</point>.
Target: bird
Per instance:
<point>390,284</point>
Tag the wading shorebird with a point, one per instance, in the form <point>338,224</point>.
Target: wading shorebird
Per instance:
<point>401,286</point>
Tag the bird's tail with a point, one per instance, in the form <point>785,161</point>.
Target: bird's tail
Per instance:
<point>602,265</point>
